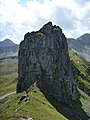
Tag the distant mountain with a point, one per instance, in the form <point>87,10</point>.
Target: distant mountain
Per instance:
<point>7,43</point>
<point>8,48</point>
<point>85,38</point>
<point>81,45</point>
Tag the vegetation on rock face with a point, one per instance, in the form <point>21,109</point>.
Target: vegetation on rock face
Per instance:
<point>40,34</point>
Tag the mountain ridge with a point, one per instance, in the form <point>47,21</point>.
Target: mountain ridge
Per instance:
<point>7,43</point>
<point>81,45</point>
<point>8,48</point>
<point>85,37</point>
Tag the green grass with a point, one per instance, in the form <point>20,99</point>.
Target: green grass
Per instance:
<point>82,66</point>
<point>86,83</point>
<point>8,67</point>
<point>8,76</point>
<point>85,100</point>
<point>40,34</point>
<point>36,106</point>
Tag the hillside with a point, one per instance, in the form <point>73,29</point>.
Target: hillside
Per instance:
<point>83,71</point>
<point>8,76</point>
<point>37,106</point>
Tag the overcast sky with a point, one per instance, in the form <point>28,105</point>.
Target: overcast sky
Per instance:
<point>18,17</point>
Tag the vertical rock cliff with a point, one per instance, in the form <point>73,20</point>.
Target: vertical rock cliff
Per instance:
<point>43,59</point>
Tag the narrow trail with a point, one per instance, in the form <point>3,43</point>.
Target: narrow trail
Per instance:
<point>2,97</point>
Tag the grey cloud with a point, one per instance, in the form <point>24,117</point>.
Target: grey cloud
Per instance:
<point>85,20</point>
<point>65,18</point>
<point>82,2</point>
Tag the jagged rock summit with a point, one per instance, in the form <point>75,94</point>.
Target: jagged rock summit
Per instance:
<point>43,59</point>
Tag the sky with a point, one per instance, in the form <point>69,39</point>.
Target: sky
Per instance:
<point>17,17</point>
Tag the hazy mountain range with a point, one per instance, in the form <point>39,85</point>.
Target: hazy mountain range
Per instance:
<point>8,48</point>
<point>81,45</point>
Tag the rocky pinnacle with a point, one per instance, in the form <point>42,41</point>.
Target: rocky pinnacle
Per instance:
<point>43,59</point>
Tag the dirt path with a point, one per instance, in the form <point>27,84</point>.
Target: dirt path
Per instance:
<point>2,97</point>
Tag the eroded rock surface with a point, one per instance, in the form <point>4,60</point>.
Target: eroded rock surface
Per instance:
<point>43,58</point>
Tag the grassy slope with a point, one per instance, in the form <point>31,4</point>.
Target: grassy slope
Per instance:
<point>8,77</point>
<point>36,106</point>
<point>85,100</point>
<point>83,67</point>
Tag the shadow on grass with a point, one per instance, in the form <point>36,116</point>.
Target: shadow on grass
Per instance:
<point>75,113</point>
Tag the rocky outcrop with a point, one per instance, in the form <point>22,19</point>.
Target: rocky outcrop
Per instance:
<point>43,59</point>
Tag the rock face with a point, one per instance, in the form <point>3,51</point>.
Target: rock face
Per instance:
<point>43,59</point>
